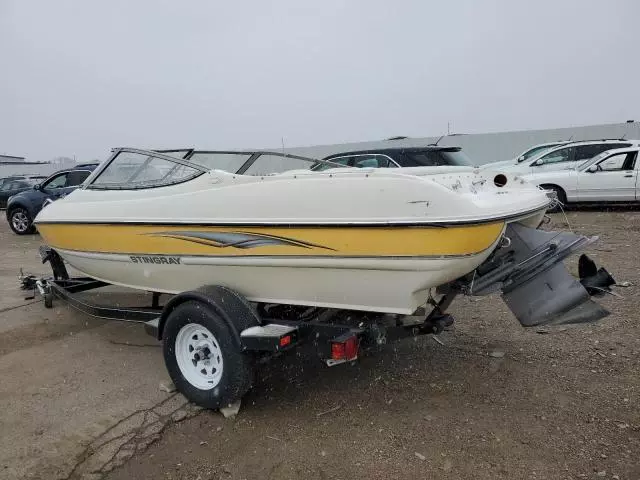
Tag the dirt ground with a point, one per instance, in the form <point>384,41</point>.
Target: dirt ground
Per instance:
<point>492,401</point>
<point>495,401</point>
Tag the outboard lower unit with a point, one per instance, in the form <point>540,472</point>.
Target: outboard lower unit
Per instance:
<point>535,284</point>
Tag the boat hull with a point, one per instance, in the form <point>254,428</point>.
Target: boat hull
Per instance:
<point>391,285</point>
<point>382,269</point>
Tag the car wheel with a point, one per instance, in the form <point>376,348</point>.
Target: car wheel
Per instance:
<point>20,221</point>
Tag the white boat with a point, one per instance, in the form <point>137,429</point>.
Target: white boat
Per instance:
<point>362,239</point>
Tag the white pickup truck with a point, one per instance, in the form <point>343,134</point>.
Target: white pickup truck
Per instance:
<point>610,176</point>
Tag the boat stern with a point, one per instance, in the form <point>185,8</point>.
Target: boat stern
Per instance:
<point>528,270</point>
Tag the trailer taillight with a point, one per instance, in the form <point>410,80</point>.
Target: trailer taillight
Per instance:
<point>345,349</point>
<point>337,351</point>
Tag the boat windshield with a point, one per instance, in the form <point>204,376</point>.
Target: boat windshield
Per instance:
<point>131,170</point>
<point>270,163</point>
<point>227,161</point>
<point>175,153</point>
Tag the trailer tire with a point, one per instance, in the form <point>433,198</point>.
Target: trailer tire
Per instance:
<point>202,358</point>
<point>48,299</point>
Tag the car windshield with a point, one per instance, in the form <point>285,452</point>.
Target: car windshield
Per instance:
<point>535,151</point>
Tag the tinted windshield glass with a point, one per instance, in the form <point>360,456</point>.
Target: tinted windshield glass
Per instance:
<point>77,177</point>
<point>435,158</point>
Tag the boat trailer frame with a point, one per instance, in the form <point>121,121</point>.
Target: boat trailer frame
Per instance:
<point>271,336</point>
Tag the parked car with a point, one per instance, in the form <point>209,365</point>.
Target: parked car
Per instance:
<point>608,177</point>
<point>23,207</point>
<point>12,187</point>
<point>30,178</point>
<point>566,156</point>
<point>427,156</point>
<point>529,153</point>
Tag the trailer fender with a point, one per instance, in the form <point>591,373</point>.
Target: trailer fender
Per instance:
<point>226,303</point>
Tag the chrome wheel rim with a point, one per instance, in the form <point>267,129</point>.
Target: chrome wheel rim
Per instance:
<point>20,221</point>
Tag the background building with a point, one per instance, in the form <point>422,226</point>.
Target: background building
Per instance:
<point>488,147</point>
<point>12,165</point>
<point>480,147</point>
<point>11,159</point>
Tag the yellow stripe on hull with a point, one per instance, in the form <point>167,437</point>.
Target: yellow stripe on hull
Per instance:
<point>272,241</point>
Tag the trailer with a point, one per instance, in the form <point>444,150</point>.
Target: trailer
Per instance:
<point>213,339</point>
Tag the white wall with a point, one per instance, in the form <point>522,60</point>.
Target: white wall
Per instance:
<point>10,158</point>
<point>26,168</point>
<point>487,147</point>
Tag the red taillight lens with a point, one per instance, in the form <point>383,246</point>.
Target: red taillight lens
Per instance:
<point>337,351</point>
<point>345,350</point>
<point>286,340</point>
<point>351,348</point>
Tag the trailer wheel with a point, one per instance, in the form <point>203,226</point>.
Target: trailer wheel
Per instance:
<point>203,361</point>
<point>48,299</point>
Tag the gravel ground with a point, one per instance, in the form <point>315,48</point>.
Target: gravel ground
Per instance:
<point>495,401</point>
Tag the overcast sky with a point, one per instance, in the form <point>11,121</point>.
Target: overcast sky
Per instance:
<point>80,77</point>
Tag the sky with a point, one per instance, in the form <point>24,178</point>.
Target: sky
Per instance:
<point>80,77</point>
